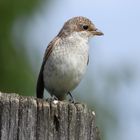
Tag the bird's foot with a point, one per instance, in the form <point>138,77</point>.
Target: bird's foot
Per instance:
<point>72,100</point>
<point>52,99</point>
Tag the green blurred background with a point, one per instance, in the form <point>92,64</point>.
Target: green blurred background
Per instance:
<point>16,72</point>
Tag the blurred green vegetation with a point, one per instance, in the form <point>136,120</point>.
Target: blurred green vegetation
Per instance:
<point>16,73</point>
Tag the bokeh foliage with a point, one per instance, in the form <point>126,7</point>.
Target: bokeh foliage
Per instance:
<point>16,74</point>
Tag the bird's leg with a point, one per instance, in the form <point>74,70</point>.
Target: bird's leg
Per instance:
<point>52,98</point>
<point>71,97</point>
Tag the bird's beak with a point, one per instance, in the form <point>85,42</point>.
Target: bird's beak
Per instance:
<point>97,32</point>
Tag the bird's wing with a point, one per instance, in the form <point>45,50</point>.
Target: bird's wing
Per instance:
<point>50,47</point>
<point>40,81</point>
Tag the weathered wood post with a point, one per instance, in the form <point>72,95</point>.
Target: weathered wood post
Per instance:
<point>28,118</point>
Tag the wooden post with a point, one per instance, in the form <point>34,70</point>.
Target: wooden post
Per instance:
<point>28,118</point>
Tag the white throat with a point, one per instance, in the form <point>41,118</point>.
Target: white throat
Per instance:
<point>79,37</point>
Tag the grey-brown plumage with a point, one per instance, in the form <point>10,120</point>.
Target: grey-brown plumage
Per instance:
<point>66,58</point>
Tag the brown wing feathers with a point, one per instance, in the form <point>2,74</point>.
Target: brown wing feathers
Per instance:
<point>40,81</point>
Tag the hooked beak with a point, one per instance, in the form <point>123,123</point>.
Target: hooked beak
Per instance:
<point>97,32</point>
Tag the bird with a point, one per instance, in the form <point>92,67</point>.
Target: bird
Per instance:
<point>66,58</point>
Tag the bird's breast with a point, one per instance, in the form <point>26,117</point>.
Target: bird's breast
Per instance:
<point>66,66</point>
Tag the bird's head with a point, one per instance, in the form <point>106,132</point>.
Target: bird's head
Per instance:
<point>80,25</point>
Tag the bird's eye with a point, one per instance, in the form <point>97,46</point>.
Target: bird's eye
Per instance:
<point>85,27</point>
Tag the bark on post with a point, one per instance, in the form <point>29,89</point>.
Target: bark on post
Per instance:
<point>28,118</point>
